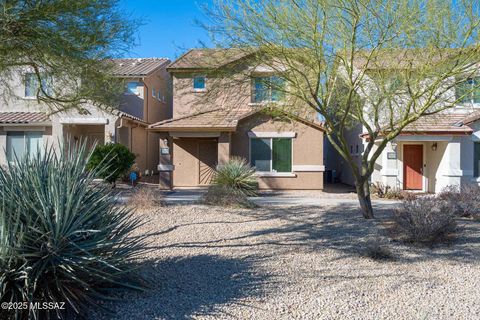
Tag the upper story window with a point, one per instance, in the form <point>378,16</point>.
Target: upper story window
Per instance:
<point>468,91</point>
<point>132,88</point>
<point>159,95</point>
<point>32,87</point>
<point>199,83</point>
<point>267,89</point>
<point>22,143</point>
<point>153,93</point>
<point>271,154</point>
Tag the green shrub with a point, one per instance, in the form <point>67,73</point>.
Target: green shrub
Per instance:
<point>115,158</point>
<point>425,220</point>
<point>62,236</point>
<point>237,175</point>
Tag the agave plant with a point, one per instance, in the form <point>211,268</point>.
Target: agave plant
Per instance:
<point>63,238</point>
<point>238,175</point>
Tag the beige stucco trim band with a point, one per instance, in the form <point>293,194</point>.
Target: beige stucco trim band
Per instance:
<point>308,168</point>
<point>276,174</point>
<point>165,167</point>
<point>84,121</point>
<point>288,134</point>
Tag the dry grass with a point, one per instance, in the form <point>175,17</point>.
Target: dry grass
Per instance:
<point>145,198</point>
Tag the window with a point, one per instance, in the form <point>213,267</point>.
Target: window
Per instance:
<point>159,95</point>
<point>31,84</point>
<point>21,144</point>
<point>153,93</point>
<point>199,83</point>
<point>468,91</point>
<point>271,154</point>
<point>268,89</point>
<point>132,87</point>
<point>476,159</point>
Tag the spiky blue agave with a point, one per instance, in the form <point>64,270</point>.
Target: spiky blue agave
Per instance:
<point>63,238</point>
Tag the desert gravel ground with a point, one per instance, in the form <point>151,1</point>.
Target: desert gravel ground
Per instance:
<point>296,263</point>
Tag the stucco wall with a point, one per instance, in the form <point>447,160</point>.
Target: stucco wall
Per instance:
<point>307,150</point>
<point>222,91</point>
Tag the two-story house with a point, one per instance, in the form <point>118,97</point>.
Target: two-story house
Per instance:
<point>26,125</point>
<point>218,114</point>
<point>434,152</point>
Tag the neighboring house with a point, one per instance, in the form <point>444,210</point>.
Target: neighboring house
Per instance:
<point>25,124</point>
<point>430,154</point>
<point>217,115</point>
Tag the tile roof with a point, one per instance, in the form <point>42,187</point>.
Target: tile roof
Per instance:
<point>208,58</point>
<point>221,119</point>
<point>137,67</point>
<point>440,122</point>
<point>23,117</point>
<point>215,119</point>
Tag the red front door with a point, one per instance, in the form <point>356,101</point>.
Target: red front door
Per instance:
<point>413,167</point>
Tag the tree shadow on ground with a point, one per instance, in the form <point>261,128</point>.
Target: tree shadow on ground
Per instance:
<point>183,287</point>
<point>341,228</point>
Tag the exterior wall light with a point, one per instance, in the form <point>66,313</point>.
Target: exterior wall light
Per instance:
<point>434,146</point>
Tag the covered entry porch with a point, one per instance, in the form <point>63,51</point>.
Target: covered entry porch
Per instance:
<point>189,159</point>
<point>426,163</point>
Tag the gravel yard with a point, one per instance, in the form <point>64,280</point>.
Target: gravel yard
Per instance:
<point>296,263</point>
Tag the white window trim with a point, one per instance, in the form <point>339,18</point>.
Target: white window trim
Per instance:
<point>308,168</point>
<point>285,134</point>
<point>270,173</point>
<point>205,82</point>
<point>275,174</point>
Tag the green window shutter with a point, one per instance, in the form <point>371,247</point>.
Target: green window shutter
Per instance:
<point>476,159</point>
<point>282,155</point>
<point>260,154</point>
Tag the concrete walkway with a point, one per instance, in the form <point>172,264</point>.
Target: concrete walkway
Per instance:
<point>183,196</point>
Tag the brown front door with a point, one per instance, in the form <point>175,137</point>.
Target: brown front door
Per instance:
<point>207,156</point>
<point>413,167</point>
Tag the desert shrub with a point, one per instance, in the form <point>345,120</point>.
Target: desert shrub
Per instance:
<point>377,249</point>
<point>62,236</point>
<point>115,158</point>
<point>145,198</point>
<point>220,195</point>
<point>237,175</point>
<point>465,199</point>
<point>381,190</point>
<point>425,220</point>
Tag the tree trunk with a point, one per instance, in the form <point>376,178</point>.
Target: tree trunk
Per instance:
<point>363,193</point>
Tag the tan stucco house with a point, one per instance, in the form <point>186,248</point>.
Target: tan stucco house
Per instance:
<point>25,123</point>
<point>218,114</point>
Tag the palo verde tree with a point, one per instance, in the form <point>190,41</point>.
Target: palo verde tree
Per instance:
<point>377,64</point>
<point>64,44</point>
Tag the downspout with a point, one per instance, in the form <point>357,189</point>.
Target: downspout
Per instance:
<point>146,120</point>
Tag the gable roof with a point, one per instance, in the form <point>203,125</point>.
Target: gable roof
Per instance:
<point>219,120</point>
<point>137,66</point>
<point>439,123</point>
<point>24,118</point>
<point>208,58</point>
